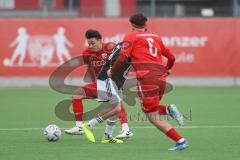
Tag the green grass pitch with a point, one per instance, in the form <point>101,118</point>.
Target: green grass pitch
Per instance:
<point>213,131</point>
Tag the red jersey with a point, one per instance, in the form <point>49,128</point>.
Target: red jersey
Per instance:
<point>95,60</point>
<point>145,50</point>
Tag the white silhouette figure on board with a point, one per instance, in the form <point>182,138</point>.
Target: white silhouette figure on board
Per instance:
<point>61,41</point>
<point>21,48</point>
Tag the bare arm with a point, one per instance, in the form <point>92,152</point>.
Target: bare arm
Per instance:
<point>14,43</point>
<point>68,43</point>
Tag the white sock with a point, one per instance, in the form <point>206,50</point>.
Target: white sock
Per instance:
<point>180,140</point>
<point>110,128</point>
<point>167,109</point>
<point>95,121</point>
<point>125,127</point>
<point>79,123</point>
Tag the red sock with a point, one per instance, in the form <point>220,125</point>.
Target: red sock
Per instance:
<point>173,134</point>
<point>123,116</point>
<point>162,109</point>
<point>77,109</point>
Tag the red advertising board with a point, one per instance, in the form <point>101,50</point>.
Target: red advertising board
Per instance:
<point>35,47</point>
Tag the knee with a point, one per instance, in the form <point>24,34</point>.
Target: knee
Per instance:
<point>117,108</point>
<point>74,97</point>
<point>153,117</point>
<point>151,120</point>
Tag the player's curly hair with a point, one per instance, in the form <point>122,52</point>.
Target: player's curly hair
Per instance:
<point>138,20</point>
<point>91,33</point>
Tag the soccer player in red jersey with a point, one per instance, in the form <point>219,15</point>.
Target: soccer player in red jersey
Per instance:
<point>146,52</point>
<point>95,57</point>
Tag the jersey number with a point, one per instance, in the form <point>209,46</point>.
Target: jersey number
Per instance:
<point>152,49</point>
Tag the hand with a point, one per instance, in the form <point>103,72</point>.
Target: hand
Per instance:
<point>71,45</point>
<point>168,72</point>
<point>109,73</point>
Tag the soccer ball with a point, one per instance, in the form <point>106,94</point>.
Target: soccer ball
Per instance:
<point>52,132</point>
<point>7,62</point>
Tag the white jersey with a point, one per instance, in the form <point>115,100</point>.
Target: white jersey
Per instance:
<point>108,88</point>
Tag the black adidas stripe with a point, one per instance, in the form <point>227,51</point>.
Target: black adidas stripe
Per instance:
<point>109,91</point>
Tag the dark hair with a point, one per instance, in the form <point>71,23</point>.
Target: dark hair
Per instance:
<point>138,20</point>
<point>91,33</point>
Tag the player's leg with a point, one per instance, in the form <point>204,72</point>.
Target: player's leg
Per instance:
<point>107,91</point>
<point>172,111</point>
<point>104,115</point>
<point>150,106</point>
<point>78,111</point>
<point>125,132</point>
<point>168,129</point>
<point>157,88</point>
<point>163,109</point>
<point>77,104</point>
<point>110,115</point>
<point>114,110</point>
<point>108,134</point>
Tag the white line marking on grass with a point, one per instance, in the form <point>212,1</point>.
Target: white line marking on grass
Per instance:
<point>20,129</point>
<point>189,127</point>
<point>134,127</point>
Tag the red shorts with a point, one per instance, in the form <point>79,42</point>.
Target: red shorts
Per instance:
<point>151,95</point>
